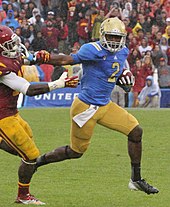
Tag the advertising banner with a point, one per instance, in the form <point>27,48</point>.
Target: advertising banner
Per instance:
<point>58,98</point>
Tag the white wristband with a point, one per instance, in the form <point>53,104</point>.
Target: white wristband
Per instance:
<point>56,84</point>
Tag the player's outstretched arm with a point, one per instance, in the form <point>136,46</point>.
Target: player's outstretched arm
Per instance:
<point>63,81</point>
<point>23,86</point>
<point>53,59</point>
<point>43,56</point>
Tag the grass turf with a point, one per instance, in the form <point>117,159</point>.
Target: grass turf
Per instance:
<point>100,177</point>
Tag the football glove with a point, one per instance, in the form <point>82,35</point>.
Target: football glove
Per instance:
<point>42,56</point>
<point>26,54</point>
<point>126,80</point>
<point>64,81</point>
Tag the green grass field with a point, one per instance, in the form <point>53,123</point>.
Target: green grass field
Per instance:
<point>101,176</point>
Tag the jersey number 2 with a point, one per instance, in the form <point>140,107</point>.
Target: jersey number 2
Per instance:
<point>112,78</point>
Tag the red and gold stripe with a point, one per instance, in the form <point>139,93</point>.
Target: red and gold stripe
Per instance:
<point>11,144</point>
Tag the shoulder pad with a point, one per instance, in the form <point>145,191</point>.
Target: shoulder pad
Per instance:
<point>96,46</point>
<point>95,49</point>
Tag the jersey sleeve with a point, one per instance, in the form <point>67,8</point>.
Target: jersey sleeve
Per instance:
<point>87,52</point>
<point>122,56</point>
<point>126,52</point>
<point>15,82</point>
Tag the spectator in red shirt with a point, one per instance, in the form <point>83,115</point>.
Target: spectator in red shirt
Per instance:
<point>103,6</point>
<point>139,74</point>
<point>166,7</point>
<point>50,16</point>
<point>168,54</point>
<point>62,26</point>
<point>51,35</point>
<point>71,21</point>
<point>133,43</point>
<point>154,30</point>
<point>148,65</point>
<point>83,29</point>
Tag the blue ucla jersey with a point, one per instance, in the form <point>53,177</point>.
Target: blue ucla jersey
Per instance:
<point>101,69</point>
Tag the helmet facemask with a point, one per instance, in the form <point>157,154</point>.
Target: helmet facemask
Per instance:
<point>113,45</point>
<point>11,48</point>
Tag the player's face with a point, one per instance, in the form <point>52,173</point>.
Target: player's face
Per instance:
<point>113,41</point>
<point>12,48</point>
<point>114,38</point>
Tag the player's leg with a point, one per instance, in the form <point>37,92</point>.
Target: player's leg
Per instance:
<point>18,135</point>
<point>119,119</point>
<point>80,139</point>
<point>4,146</point>
<point>57,155</point>
<point>135,151</point>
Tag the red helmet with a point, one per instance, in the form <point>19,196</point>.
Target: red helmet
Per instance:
<point>9,43</point>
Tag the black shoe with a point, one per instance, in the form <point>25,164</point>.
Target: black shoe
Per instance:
<point>142,185</point>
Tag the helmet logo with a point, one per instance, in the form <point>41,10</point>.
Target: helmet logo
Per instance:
<point>115,30</point>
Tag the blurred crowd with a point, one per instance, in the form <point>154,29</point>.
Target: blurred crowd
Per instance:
<point>62,26</point>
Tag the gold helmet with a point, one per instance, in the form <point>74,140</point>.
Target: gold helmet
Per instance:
<point>112,34</point>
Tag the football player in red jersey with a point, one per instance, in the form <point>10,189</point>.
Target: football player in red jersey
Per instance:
<point>15,134</point>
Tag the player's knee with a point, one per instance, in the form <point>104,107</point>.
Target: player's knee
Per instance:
<point>71,154</point>
<point>29,162</point>
<point>136,135</point>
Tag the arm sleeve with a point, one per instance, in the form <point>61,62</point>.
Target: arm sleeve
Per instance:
<point>15,82</point>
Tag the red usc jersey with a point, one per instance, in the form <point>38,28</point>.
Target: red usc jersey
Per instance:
<point>8,97</point>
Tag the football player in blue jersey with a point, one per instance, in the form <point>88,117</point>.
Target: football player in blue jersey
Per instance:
<point>102,63</point>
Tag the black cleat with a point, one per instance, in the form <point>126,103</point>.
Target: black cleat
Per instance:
<point>142,185</point>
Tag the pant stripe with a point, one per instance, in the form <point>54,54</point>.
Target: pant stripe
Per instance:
<point>11,144</point>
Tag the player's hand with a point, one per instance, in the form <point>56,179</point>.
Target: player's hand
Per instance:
<point>42,56</point>
<point>64,81</point>
<point>26,54</point>
<point>126,80</point>
<point>71,82</point>
<point>68,81</point>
